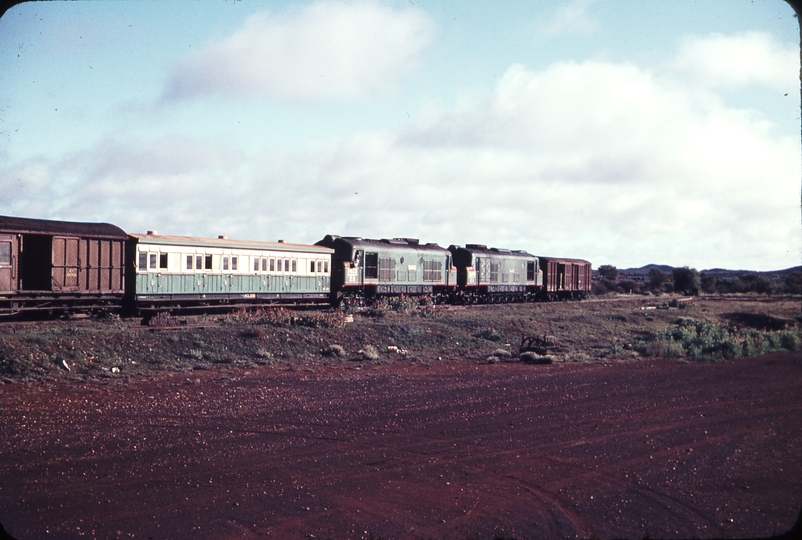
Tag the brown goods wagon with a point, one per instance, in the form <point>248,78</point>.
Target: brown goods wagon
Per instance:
<point>565,278</point>
<point>48,264</point>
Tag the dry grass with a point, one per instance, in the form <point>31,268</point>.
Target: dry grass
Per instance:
<point>606,330</point>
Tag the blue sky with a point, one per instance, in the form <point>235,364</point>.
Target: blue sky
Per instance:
<point>623,132</point>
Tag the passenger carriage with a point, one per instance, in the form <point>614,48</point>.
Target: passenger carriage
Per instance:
<point>188,272</point>
<point>60,266</point>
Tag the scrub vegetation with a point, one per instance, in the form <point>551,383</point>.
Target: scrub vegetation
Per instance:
<point>617,328</point>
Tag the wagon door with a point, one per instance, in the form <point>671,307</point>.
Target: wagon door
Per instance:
<point>66,264</point>
<point>8,260</point>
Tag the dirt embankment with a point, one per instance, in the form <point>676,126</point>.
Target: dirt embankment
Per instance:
<point>257,434</point>
<point>577,332</point>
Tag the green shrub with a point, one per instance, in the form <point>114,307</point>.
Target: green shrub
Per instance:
<point>333,350</point>
<point>369,352</point>
<point>285,317</point>
<point>702,339</point>
<point>530,357</point>
<point>790,341</point>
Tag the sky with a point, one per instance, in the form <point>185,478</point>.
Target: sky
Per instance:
<point>623,132</point>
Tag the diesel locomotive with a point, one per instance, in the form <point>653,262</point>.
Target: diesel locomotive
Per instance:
<point>64,267</point>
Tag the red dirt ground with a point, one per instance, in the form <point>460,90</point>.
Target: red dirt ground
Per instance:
<point>662,449</point>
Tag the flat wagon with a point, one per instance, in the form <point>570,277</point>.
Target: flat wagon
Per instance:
<point>182,272</point>
<point>60,266</point>
<point>565,279</point>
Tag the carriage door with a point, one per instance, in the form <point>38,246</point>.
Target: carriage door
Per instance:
<point>8,260</point>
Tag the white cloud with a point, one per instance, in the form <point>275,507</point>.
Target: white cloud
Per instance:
<point>599,160</point>
<point>569,18</point>
<point>326,50</point>
<point>747,58</point>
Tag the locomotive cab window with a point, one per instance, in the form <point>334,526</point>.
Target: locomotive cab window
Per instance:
<point>371,266</point>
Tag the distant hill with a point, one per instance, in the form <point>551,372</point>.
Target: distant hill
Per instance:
<point>664,268</point>
<point>718,272</point>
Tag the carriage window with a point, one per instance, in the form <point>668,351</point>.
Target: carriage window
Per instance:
<point>233,263</point>
<point>255,264</point>
<point>152,262</point>
<point>143,260</point>
<point>312,266</point>
<point>189,262</point>
<point>325,266</point>
<point>264,264</point>
<point>198,262</point>
<point>208,262</point>
<point>163,261</point>
<point>286,265</point>
<point>225,263</point>
<point>5,252</point>
<point>294,265</point>
<point>320,266</point>
<point>272,265</point>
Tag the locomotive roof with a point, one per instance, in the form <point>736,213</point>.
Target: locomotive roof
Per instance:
<point>194,241</point>
<point>385,244</point>
<point>564,260</point>
<point>481,249</point>
<point>60,228</point>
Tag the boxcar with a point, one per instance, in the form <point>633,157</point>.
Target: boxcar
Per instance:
<point>60,266</point>
<point>495,275</point>
<point>168,272</point>
<point>565,278</point>
<point>364,268</point>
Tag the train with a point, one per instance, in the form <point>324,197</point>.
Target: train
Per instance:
<point>65,267</point>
